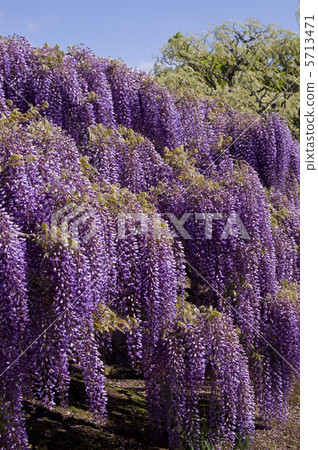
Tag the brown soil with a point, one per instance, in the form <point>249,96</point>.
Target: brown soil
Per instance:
<point>126,427</point>
<point>281,436</point>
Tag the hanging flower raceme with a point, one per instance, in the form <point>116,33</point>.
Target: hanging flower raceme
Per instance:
<point>124,85</point>
<point>205,128</point>
<point>277,352</point>
<point>14,321</point>
<point>15,54</point>
<point>159,119</point>
<point>232,406</point>
<point>125,157</point>
<point>267,145</point>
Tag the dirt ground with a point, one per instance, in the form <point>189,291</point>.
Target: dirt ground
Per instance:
<point>126,428</point>
<point>281,436</point>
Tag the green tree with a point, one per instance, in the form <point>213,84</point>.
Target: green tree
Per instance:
<point>252,66</point>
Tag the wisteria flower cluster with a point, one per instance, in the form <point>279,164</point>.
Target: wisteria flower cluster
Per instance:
<point>84,140</point>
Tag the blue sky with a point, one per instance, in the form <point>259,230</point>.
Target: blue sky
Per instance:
<point>133,30</point>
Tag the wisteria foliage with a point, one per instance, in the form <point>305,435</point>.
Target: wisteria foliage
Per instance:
<point>216,317</point>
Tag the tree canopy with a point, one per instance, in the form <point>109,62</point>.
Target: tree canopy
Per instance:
<point>252,66</point>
